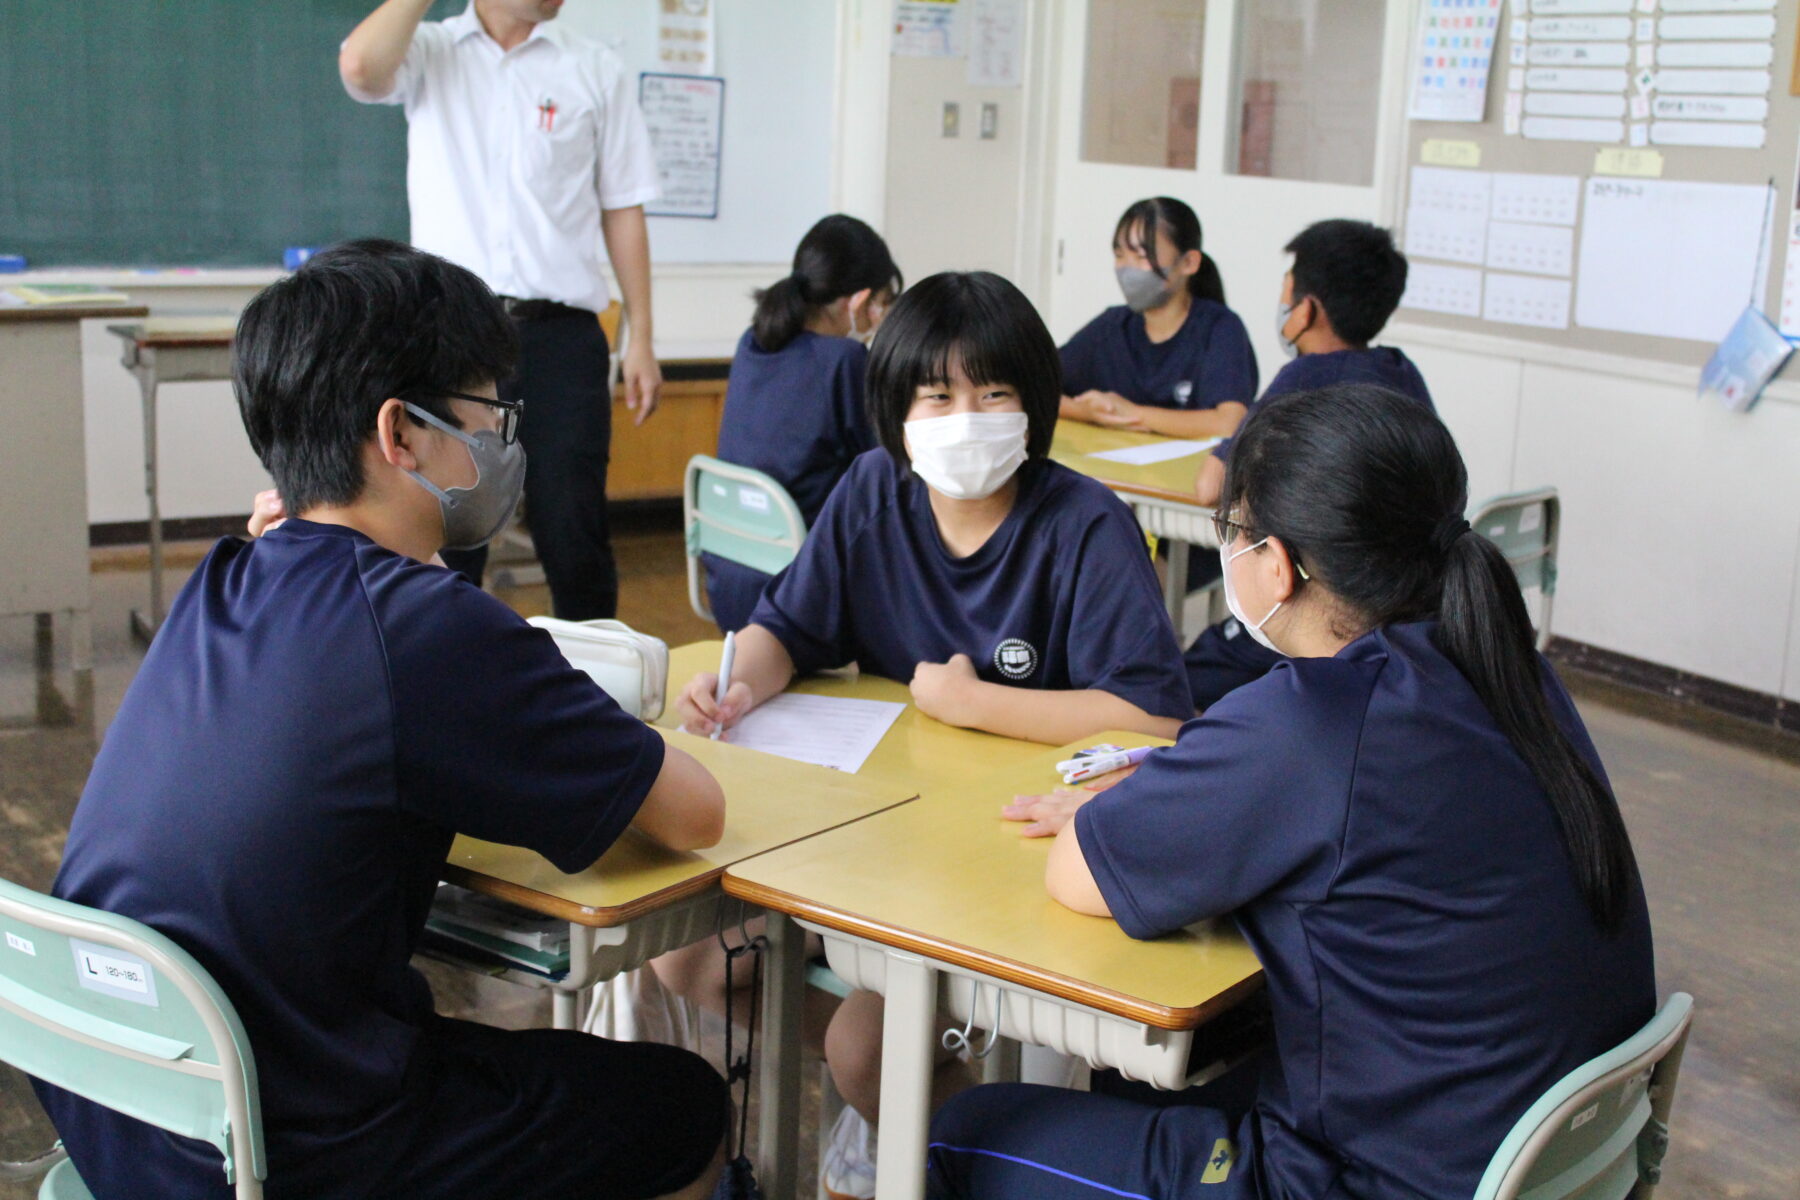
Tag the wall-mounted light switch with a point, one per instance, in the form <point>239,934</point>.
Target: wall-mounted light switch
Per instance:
<point>990,121</point>
<point>952,119</point>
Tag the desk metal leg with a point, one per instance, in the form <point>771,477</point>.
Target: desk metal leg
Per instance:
<point>1175,585</point>
<point>906,1070</point>
<point>778,1124</point>
<point>142,626</point>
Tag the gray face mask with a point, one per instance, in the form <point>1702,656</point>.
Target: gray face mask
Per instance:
<point>1144,289</point>
<point>474,516</point>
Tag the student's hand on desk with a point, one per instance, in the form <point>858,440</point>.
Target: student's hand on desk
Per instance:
<point>1114,411</point>
<point>266,513</point>
<point>945,691</point>
<point>701,714</point>
<point>1045,815</point>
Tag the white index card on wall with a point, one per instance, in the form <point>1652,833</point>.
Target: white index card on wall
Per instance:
<point>1526,300</point>
<point>1448,189</point>
<point>1715,54</point>
<point>1579,54</point>
<point>1433,287</point>
<point>1576,79</point>
<point>1574,104</point>
<point>1457,236</point>
<point>1714,83</point>
<point>1581,29</point>
<point>1578,7</point>
<point>1538,249</point>
<point>1713,28</point>
<point>1694,6</point>
<point>1548,199</point>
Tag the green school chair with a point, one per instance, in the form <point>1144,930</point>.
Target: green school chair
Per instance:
<point>1525,525</point>
<point>739,514</point>
<point>1603,1129</point>
<point>112,1010</point>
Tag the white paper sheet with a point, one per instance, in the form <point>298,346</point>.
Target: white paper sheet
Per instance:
<point>1539,249</point>
<point>1155,452</point>
<point>1714,83</point>
<point>1550,199</point>
<point>1576,79</point>
<point>1447,189</point>
<point>1580,29</point>
<point>1707,261</point>
<point>996,43</point>
<point>1432,287</point>
<point>929,29</point>
<point>1715,54</point>
<point>1456,236</point>
<point>1710,108</point>
<point>1453,49</point>
<point>1685,6</point>
<point>829,731</point>
<point>1578,7</point>
<point>1789,321</point>
<point>1759,28</point>
<point>1526,300</point>
<point>1574,104</point>
<point>1578,54</point>
<point>1728,134</point>
<point>1573,129</point>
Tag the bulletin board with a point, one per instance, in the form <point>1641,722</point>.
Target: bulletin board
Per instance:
<point>1538,235</point>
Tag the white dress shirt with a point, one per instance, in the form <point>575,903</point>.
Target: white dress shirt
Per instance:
<point>512,155</point>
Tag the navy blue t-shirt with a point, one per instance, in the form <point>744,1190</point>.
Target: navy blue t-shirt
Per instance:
<point>315,721</point>
<point>1207,363</point>
<point>1062,596</point>
<point>1431,965</point>
<point>1383,366</point>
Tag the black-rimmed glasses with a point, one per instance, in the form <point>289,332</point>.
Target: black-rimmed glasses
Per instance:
<point>510,411</point>
<point>1228,529</point>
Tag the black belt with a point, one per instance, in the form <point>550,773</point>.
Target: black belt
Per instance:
<point>541,310</point>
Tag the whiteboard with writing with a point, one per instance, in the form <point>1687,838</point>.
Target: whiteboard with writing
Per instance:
<point>1669,258</point>
<point>686,118</point>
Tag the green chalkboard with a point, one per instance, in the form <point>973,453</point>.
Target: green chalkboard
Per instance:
<point>189,132</point>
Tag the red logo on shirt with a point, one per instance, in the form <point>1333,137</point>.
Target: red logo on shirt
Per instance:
<point>547,115</point>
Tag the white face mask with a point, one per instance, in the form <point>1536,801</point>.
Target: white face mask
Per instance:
<point>1255,629</point>
<point>967,456</point>
<point>1282,313</point>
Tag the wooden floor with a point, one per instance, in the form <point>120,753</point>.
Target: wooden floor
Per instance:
<point>1713,808</point>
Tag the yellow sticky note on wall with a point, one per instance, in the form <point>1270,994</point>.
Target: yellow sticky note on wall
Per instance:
<point>1441,152</point>
<point>1618,160</point>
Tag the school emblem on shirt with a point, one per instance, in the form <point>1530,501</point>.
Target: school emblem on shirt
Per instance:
<point>547,115</point>
<point>1218,1167</point>
<point>1183,391</point>
<point>1015,658</point>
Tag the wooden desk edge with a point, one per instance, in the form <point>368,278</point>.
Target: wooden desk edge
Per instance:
<point>581,914</point>
<point>1155,493</point>
<point>70,312</point>
<point>1155,1015</point>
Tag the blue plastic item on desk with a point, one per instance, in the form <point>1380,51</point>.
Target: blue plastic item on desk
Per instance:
<point>11,264</point>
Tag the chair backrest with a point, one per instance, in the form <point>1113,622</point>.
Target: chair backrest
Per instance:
<point>1525,526</point>
<point>739,514</point>
<point>1601,1131</point>
<point>111,1010</point>
<point>631,667</point>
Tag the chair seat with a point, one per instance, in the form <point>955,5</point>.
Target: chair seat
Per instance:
<point>62,1183</point>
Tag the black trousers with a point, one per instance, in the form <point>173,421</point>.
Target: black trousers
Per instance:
<point>566,430</point>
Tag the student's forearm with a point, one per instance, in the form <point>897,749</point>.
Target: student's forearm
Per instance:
<point>1057,717</point>
<point>627,238</point>
<point>370,57</point>
<point>1210,483</point>
<point>685,809</point>
<point>1195,423</point>
<point>761,663</point>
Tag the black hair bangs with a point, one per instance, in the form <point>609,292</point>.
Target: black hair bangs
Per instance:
<point>975,321</point>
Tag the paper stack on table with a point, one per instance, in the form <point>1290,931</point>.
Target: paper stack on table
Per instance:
<point>829,731</point>
<point>1155,452</point>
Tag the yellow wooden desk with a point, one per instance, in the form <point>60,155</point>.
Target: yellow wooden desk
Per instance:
<point>1161,495</point>
<point>918,754</point>
<point>641,900</point>
<point>940,903</point>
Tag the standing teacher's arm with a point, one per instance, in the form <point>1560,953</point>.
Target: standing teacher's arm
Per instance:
<point>628,246</point>
<point>369,60</point>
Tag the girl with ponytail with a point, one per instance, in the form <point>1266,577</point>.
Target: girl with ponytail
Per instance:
<point>1406,819</point>
<point>794,406</point>
<point>1173,359</point>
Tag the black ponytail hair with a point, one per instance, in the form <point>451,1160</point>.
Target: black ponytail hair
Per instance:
<point>1366,489</point>
<point>839,256</point>
<point>1141,223</point>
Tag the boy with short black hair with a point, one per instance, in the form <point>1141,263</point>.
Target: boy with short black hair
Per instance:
<point>320,714</point>
<point>1346,280</point>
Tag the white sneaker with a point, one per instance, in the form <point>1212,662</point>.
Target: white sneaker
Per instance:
<point>847,1168</point>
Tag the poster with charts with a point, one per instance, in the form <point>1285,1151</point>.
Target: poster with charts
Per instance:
<point>929,29</point>
<point>1451,56</point>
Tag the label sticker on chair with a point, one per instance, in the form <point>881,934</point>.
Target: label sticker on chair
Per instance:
<point>20,944</point>
<point>113,973</point>
<point>1531,518</point>
<point>752,499</point>
<point>1583,1117</point>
